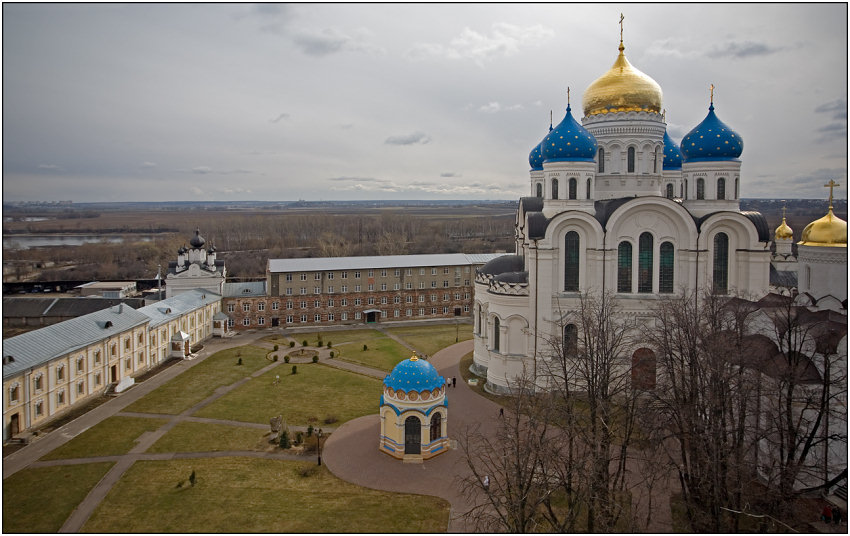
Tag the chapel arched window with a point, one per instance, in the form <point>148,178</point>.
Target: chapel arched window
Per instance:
<point>588,188</point>
<point>720,269</point>
<point>496,333</point>
<point>721,188</point>
<point>570,340</point>
<point>571,261</point>
<point>631,160</point>
<point>539,190</point>
<point>686,189</point>
<point>665,268</point>
<point>601,158</point>
<point>554,188</point>
<point>436,426</point>
<point>645,246</point>
<point>655,161</point>
<point>669,190</point>
<point>624,267</point>
<point>700,188</point>
<point>573,187</point>
<point>736,188</point>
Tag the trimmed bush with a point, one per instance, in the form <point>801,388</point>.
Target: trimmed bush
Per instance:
<point>315,359</point>
<point>309,430</point>
<point>275,358</point>
<point>275,347</point>
<point>332,355</point>
<point>286,359</point>
<point>304,343</point>
<point>292,344</point>
<point>365,347</point>
<point>299,438</point>
<point>329,344</point>
<point>239,362</point>
<point>284,440</point>
<point>330,419</point>
<point>295,369</point>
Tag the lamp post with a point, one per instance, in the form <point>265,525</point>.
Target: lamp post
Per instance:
<point>319,444</point>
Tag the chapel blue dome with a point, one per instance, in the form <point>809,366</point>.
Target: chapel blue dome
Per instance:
<point>414,374</point>
<point>535,158</point>
<point>569,142</point>
<point>672,154</point>
<point>711,140</point>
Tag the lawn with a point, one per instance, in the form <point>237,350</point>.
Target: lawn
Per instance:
<point>41,499</point>
<point>334,337</point>
<point>113,436</point>
<point>431,339</point>
<point>190,436</point>
<point>202,380</point>
<point>312,395</point>
<point>383,353</point>
<point>249,495</point>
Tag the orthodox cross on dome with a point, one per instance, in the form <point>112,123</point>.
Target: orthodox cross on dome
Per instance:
<point>621,32</point>
<point>712,93</point>
<point>783,210</point>
<point>831,184</point>
<point>550,119</point>
<point>568,96</point>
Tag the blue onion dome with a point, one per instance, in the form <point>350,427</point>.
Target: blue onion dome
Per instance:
<point>672,154</point>
<point>711,140</point>
<point>535,158</point>
<point>569,141</point>
<point>414,374</point>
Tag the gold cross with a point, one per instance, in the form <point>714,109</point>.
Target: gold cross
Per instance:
<point>568,95</point>
<point>621,27</point>
<point>712,93</point>
<point>783,211</point>
<point>831,184</point>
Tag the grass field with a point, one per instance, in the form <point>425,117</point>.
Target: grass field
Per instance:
<point>115,435</point>
<point>40,499</point>
<point>315,393</point>
<point>246,495</point>
<point>188,389</point>
<point>433,338</point>
<point>207,437</point>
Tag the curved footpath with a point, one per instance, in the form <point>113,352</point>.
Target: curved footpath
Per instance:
<point>351,452</point>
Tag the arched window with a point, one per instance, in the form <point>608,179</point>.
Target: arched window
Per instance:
<point>655,161</point>
<point>601,158</point>
<point>554,188</point>
<point>721,188</point>
<point>571,260</point>
<point>496,333</point>
<point>700,188</point>
<point>645,243</point>
<point>573,188</point>
<point>736,188</point>
<point>412,435</point>
<point>681,190</point>
<point>570,340</point>
<point>631,160</point>
<point>643,369</point>
<point>539,190</point>
<point>721,264</point>
<point>686,189</point>
<point>665,268</point>
<point>436,426</point>
<point>669,190</point>
<point>624,267</point>
<point>588,188</point>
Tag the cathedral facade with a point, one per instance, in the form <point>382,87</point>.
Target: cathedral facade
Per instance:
<point>617,207</point>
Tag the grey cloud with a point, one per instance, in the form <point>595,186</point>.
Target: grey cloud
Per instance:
<point>450,174</point>
<point>202,170</point>
<point>320,43</point>
<point>409,139</point>
<point>742,49</point>
<point>834,127</point>
<point>504,40</point>
<point>50,167</point>
<point>820,176</point>
<point>279,117</point>
<point>347,126</point>
<point>147,165</point>
<point>839,106</point>
<point>357,179</point>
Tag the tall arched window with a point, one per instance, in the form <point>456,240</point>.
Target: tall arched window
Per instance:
<point>631,160</point>
<point>665,268</point>
<point>700,188</point>
<point>436,426</point>
<point>601,158</point>
<point>681,190</point>
<point>645,243</point>
<point>736,188</point>
<point>572,188</point>
<point>554,188</point>
<point>669,190</point>
<point>721,188</point>
<point>721,264</point>
<point>624,267</point>
<point>588,188</point>
<point>686,189</point>
<point>655,161</point>
<point>643,369</point>
<point>571,260</point>
<point>570,339</point>
<point>496,333</point>
<point>539,190</point>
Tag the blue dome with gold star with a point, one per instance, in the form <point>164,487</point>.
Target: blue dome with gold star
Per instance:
<point>535,158</point>
<point>672,154</point>
<point>414,374</point>
<point>711,140</point>
<point>568,142</point>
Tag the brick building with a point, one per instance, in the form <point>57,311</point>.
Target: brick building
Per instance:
<point>354,290</point>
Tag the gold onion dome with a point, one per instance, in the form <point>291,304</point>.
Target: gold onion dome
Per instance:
<point>830,231</point>
<point>622,89</point>
<point>783,232</point>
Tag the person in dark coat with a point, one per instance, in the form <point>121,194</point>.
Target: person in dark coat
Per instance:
<point>836,515</point>
<point>826,514</point>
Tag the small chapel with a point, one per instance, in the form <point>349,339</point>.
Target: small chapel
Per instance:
<point>196,267</point>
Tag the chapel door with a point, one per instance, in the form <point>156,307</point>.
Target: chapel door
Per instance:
<point>412,436</point>
<point>113,374</point>
<point>14,425</point>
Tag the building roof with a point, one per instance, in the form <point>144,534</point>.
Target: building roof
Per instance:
<point>164,311</point>
<point>244,289</point>
<point>414,374</point>
<point>317,264</point>
<point>108,285</point>
<point>40,346</point>
<point>62,307</point>
<point>781,278</point>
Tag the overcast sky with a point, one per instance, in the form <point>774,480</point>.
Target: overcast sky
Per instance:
<point>153,102</point>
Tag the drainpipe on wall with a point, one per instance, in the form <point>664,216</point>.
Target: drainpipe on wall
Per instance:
<point>536,304</point>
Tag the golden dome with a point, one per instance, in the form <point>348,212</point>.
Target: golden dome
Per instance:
<point>829,231</point>
<point>783,232</point>
<point>622,89</point>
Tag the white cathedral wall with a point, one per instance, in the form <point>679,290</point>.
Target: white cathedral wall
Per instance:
<point>822,271</point>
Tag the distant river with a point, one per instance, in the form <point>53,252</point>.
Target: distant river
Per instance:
<point>30,241</point>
